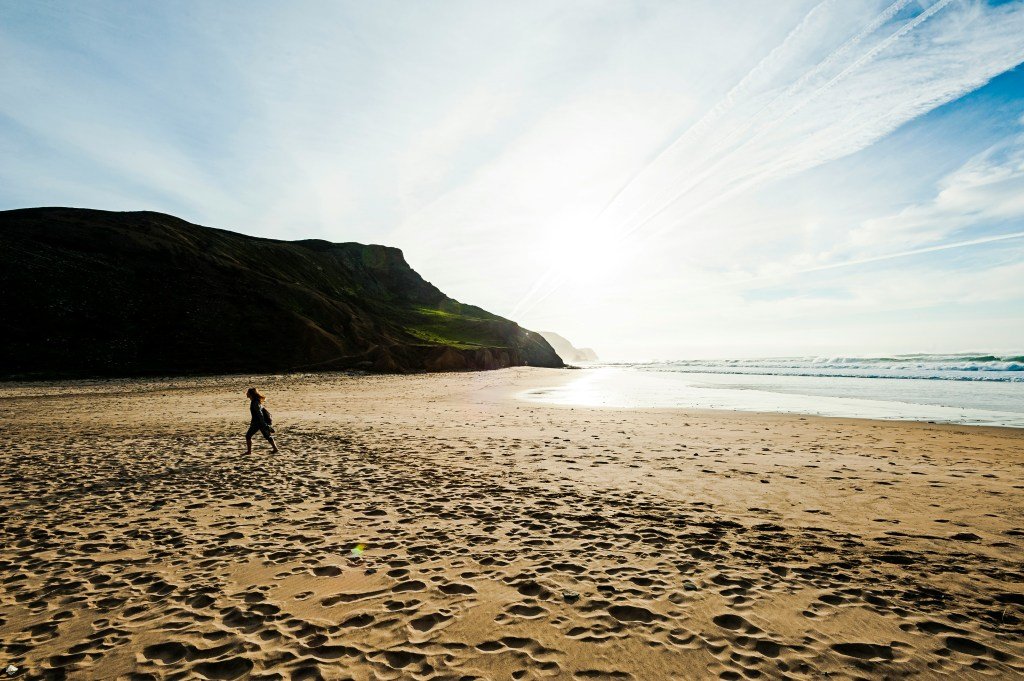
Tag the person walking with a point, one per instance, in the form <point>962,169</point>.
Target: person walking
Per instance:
<point>260,420</point>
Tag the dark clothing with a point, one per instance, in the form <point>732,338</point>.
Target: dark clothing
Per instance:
<point>259,423</point>
<point>262,429</point>
<point>256,410</point>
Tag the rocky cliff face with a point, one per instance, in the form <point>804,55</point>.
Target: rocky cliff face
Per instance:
<point>566,350</point>
<point>88,292</point>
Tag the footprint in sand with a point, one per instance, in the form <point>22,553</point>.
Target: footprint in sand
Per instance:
<point>358,621</point>
<point>430,622</point>
<point>166,653</point>
<point>734,622</point>
<point>527,611</point>
<point>633,613</point>
<point>411,585</point>
<point>870,652</point>
<point>327,571</point>
<point>224,670</point>
<point>600,675</point>
<point>457,589</point>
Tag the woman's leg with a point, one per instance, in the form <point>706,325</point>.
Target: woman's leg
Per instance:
<point>248,438</point>
<point>269,438</point>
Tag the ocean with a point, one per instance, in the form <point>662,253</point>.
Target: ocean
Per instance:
<point>969,388</point>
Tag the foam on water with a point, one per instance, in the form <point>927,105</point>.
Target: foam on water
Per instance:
<point>960,367</point>
<point>973,389</point>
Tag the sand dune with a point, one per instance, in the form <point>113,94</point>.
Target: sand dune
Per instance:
<point>502,540</point>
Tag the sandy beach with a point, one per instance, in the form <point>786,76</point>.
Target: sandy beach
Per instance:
<point>435,527</point>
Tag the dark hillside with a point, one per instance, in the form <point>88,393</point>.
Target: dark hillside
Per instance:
<point>87,292</point>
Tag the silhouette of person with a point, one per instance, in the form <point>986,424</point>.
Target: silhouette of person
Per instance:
<point>259,420</point>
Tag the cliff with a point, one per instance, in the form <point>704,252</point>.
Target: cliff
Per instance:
<point>566,350</point>
<point>97,293</point>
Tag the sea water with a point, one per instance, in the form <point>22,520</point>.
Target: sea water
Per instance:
<point>973,389</point>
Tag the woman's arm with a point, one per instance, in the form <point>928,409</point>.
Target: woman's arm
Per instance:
<point>256,409</point>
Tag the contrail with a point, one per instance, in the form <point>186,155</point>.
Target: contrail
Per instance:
<point>861,61</point>
<point>915,251</point>
<point>864,261</point>
<point>877,22</point>
<point>870,54</point>
<point>716,111</point>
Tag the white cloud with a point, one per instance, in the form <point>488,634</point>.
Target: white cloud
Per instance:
<point>989,188</point>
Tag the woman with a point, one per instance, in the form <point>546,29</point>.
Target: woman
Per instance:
<point>259,421</point>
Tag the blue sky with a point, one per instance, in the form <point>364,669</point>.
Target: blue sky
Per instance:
<point>654,179</point>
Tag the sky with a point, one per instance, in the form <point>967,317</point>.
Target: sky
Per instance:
<point>679,179</point>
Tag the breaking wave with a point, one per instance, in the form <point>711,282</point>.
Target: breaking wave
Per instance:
<point>956,367</point>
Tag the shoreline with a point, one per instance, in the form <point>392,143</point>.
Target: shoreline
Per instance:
<point>117,385</point>
<point>820,396</point>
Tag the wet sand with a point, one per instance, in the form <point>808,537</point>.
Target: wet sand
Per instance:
<point>503,539</point>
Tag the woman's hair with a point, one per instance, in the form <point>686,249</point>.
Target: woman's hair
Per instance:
<point>254,394</point>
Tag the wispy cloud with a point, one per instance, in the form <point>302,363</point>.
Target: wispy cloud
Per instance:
<point>988,189</point>
<point>780,121</point>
